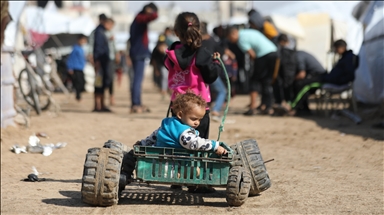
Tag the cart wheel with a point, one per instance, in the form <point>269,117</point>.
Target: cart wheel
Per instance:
<point>100,183</point>
<point>247,154</point>
<point>238,186</point>
<point>112,144</point>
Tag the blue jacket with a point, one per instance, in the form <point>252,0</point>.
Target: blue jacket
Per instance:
<point>173,133</point>
<point>139,36</point>
<point>76,60</point>
<point>100,46</point>
<point>344,70</point>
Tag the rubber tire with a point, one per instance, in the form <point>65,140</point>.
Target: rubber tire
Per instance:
<point>247,154</point>
<point>124,175</point>
<point>129,161</point>
<point>238,186</point>
<point>100,182</point>
<point>35,99</point>
<point>112,144</point>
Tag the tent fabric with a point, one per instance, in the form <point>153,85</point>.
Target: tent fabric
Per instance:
<point>51,22</point>
<point>288,25</point>
<point>64,40</point>
<point>340,11</point>
<point>368,85</point>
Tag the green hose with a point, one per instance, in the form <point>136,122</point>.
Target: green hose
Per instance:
<point>221,127</point>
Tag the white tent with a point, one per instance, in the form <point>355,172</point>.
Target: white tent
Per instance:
<point>316,19</point>
<point>50,22</point>
<point>369,82</point>
<point>339,11</point>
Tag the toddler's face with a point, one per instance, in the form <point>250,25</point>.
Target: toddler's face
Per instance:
<point>192,117</point>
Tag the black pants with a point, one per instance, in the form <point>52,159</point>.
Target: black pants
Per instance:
<point>111,71</point>
<point>298,85</point>
<point>281,92</point>
<point>106,76</point>
<point>261,80</point>
<point>203,128</point>
<point>78,82</point>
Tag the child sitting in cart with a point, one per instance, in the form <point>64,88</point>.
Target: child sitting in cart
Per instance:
<point>180,131</point>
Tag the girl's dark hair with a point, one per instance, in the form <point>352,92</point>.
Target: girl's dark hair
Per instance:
<point>187,28</point>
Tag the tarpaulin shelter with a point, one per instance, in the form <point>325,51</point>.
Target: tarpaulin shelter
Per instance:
<point>369,83</point>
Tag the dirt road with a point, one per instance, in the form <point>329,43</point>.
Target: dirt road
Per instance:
<point>321,165</point>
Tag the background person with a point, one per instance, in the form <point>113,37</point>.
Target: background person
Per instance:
<point>139,52</point>
<point>159,70</point>
<point>344,70</point>
<point>218,86</point>
<point>91,38</point>
<point>264,54</point>
<point>308,70</point>
<point>257,22</point>
<point>114,59</point>
<point>169,36</point>
<point>101,62</point>
<point>75,65</point>
<point>342,73</point>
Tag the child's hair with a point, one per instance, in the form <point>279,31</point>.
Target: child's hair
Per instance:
<point>81,36</point>
<point>340,43</point>
<point>185,102</point>
<point>231,29</point>
<point>282,38</point>
<point>187,28</point>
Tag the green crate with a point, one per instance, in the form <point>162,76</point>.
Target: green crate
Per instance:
<point>179,166</point>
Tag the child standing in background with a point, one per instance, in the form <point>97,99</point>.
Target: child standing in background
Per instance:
<point>157,61</point>
<point>75,65</point>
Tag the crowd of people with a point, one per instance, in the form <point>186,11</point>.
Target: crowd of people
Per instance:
<point>187,71</point>
<point>281,75</point>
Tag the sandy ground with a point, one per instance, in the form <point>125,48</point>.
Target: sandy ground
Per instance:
<point>321,165</point>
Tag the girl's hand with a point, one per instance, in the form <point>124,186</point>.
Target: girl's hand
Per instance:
<point>216,55</point>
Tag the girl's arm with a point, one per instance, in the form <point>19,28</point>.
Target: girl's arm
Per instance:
<point>209,68</point>
<point>190,139</point>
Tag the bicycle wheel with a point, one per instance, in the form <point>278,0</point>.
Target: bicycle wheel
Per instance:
<point>28,86</point>
<point>43,92</point>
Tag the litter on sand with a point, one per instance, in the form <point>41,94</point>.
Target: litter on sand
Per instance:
<point>33,177</point>
<point>34,146</point>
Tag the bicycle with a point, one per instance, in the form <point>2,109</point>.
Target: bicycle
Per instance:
<point>35,87</point>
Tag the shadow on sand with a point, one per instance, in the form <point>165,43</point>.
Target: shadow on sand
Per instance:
<point>155,195</point>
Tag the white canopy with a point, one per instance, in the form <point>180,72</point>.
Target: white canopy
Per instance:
<point>50,22</point>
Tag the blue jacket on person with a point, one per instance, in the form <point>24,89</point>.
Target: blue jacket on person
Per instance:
<point>76,60</point>
<point>344,70</point>
<point>100,46</point>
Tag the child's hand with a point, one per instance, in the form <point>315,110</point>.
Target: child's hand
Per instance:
<point>216,55</point>
<point>221,151</point>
